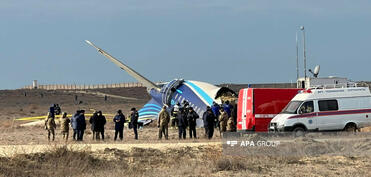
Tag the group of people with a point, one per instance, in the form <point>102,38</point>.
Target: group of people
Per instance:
<point>120,121</point>
<point>220,117</point>
<point>97,121</point>
<point>50,124</point>
<point>185,117</point>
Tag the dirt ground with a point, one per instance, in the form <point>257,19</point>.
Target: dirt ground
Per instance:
<point>185,159</point>
<point>33,155</point>
<point>25,103</point>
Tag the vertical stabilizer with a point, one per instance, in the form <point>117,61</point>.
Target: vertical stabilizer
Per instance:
<point>147,83</point>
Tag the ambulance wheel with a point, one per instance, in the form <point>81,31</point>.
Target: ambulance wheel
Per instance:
<point>299,132</point>
<point>350,127</point>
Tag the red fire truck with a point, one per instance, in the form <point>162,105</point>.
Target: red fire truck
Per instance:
<point>258,106</point>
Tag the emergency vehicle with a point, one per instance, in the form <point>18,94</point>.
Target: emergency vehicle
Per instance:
<point>257,106</point>
<point>325,110</point>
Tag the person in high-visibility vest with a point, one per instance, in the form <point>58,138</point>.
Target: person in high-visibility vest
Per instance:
<point>174,113</point>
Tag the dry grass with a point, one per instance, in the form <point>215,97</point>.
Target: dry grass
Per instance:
<point>58,161</point>
<point>184,161</point>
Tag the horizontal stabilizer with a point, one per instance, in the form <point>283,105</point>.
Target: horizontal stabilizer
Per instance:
<point>149,112</point>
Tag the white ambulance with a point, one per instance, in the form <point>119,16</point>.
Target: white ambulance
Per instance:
<point>325,110</point>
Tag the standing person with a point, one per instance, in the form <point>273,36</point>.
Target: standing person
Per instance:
<point>93,123</point>
<point>162,123</point>
<point>204,119</point>
<point>119,120</point>
<point>210,119</point>
<point>192,116</point>
<point>230,125</point>
<point>228,108</point>
<point>174,112</point>
<point>223,118</point>
<point>100,123</point>
<point>234,113</point>
<point>65,122</point>
<point>74,124</point>
<point>215,108</point>
<point>182,124</point>
<point>57,109</point>
<point>52,110</point>
<point>134,121</point>
<point>81,125</point>
<point>185,107</point>
<point>50,125</point>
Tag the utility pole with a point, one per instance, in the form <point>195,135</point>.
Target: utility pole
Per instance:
<point>297,57</point>
<point>304,54</point>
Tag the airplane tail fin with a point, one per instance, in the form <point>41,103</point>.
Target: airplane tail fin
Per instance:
<point>147,83</point>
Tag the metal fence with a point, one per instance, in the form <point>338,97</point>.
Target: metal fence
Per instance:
<point>83,87</point>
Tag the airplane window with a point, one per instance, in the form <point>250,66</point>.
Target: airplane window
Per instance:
<point>307,107</point>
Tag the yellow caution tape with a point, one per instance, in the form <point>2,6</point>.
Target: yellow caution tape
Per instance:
<point>56,116</point>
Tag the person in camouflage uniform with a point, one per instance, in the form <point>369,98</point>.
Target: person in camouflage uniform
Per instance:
<point>65,122</point>
<point>50,125</point>
<point>230,125</point>
<point>223,118</point>
<point>162,123</point>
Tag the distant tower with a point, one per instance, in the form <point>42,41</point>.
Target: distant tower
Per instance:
<point>34,84</point>
<point>304,54</point>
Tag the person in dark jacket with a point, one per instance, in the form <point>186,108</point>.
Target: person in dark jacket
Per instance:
<point>192,116</point>
<point>185,107</point>
<point>81,125</point>
<point>119,120</point>
<point>74,124</point>
<point>100,122</point>
<point>58,109</point>
<point>210,119</point>
<point>215,108</point>
<point>134,121</point>
<point>52,110</point>
<point>228,108</point>
<point>93,123</point>
<point>205,121</point>
<point>234,113</point>
<point>182,123</point>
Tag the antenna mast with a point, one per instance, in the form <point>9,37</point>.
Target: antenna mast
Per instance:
<point>297,57</point>
<point>304,54</point>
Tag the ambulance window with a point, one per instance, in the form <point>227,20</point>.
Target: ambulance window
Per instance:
<point>306,107</point>
<point>328,105</point>
<point>292,107</point>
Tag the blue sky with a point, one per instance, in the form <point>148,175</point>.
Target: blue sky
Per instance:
<point>217,41</point>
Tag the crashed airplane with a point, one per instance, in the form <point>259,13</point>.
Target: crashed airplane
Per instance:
<point>198,94</point>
